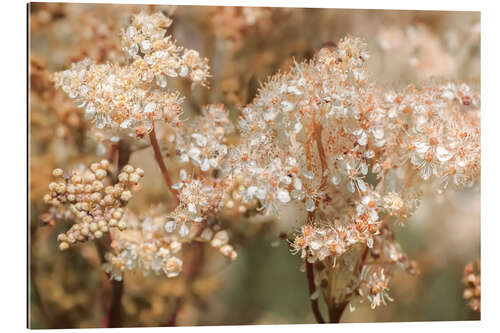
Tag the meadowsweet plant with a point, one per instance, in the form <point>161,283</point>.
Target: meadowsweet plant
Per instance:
<point>127,100</point>
<point>351,158</point>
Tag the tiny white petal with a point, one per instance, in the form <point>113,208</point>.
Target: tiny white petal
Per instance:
<point>442,154</point>
<point>310,206</point>
<point>283,196</point>
<point>362,185</point>
<point>170,226</point>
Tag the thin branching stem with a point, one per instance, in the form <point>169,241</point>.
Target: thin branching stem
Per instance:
<point>312,290</point>
<point>318,128</point>
<point>115,309</point>
<point>120,153</point>
<point>161,164</point>
<point>336,312</point>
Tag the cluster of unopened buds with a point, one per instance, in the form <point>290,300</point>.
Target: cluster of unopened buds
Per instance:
<point>87,197</point>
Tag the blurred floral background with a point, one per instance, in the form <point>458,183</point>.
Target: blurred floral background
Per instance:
<point>265,285</point>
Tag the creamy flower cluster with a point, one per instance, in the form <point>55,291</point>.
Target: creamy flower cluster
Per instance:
<point>128,98</point>
<point>194,217</point>
<point>325,139</point>
<point>203,142</point>
<point>153,243</point>
<point>157,55</point>
<point>144,246</point>
<point>348,155</point>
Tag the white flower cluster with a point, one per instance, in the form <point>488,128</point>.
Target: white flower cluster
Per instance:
<point>129,98</point>
<point>145,246</point>
<point>197,200</point>
<point>117,97</point>
<point>203,142</point>
<point>324,137</point>
<point>353,155</point>
<point>153,243</point>
<point>157,55</point>
<point>285,153</point>
<point>437,130</point>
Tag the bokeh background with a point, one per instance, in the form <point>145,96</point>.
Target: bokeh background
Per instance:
<point>265,285</point>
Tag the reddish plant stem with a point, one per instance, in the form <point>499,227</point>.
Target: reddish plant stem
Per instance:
<point>337,311</point>
<point>161,164</point>
<point>310,282</point>
<point>123,154</point>
<point>120,153</point>
<point>114,317</point>
<point>192,270</point>
<point>321,152</point>
<point>312,289</point>
<point>172,321</point>
<point>112,152</point>
<point>361,261</point>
